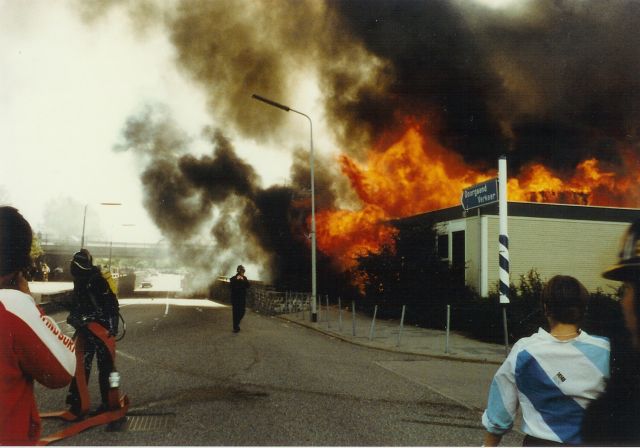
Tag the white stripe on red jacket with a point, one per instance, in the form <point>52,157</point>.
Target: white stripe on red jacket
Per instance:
<point>32,347</point>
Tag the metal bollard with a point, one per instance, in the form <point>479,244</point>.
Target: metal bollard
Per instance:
<point>299,306</point>
<point>303,307</point>
<point>372,330</point>
<point>327,310</point>
<point>506,333</point>
<point>401,326</point>
<point>446,344</point>
<point>166,309</point>
<point>353,316</point>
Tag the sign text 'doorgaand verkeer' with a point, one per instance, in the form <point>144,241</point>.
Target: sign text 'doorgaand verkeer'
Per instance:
<point>481,194</point>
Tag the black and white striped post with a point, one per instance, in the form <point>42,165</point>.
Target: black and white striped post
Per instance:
<point>503,245</point>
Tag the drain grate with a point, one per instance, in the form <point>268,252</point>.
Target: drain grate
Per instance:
<point>150,422</point>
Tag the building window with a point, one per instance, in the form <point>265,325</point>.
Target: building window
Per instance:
<point>443,246</point>
<point>458,249</point>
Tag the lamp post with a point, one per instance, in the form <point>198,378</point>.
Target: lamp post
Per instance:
<point>111,243</point>
<point>111,231</point>
<point>84,220</point>
<point>314,313</point>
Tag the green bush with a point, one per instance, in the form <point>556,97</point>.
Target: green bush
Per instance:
<point>410,273</point>
<point>481,318</point>
<point>604,315</point>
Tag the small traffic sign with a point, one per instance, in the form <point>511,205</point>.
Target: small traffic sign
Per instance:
<point>481,194</point>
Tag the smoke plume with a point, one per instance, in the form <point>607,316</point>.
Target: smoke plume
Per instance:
<point>539,80</point>
<point>212,209</point>
<point>545,80</point>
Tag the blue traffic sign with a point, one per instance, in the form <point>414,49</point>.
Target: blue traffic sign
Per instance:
<point>481,194</point>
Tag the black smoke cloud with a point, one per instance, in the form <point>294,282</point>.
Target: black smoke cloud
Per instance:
<point>542,80</point>
<point>233,49</point>
<point>580,97</point>
<point>212,209</point>
<point>546,80</point>
<point>220,175</point>
<point>438,72</point>
<point>550,80</point>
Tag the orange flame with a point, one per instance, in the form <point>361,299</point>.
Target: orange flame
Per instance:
<point>416,175</point>
<point>412,176</point>
<point>347,234</point>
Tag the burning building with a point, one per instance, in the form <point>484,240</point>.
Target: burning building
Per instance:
<point>419,99</point>
<point>551,239</point>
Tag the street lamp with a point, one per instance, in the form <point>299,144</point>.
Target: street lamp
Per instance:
<point>110,232</point>
<point>111,239</point>
<point>314,313</point>
<point>84,219</point>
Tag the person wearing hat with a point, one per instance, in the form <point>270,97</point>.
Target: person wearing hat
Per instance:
<point>552,376</point>
<point>93,301</point>
<point>614,418</point>
<point>239,285</point>
<point>32,346</point>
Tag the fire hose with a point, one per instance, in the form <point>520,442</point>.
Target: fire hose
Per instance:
<point>123,327</point>
<point>118,405</point>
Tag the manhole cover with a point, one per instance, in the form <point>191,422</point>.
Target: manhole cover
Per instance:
<point>149,422</point>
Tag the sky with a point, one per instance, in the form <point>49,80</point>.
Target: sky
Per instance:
<point>67,86</point>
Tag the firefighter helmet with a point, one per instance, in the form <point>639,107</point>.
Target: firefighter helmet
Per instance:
<point>82,263</point>
<point>628,266</point>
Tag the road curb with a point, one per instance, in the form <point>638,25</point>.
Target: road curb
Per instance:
<point>391,349</point>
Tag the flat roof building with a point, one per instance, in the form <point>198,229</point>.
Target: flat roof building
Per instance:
<point>575,240</point>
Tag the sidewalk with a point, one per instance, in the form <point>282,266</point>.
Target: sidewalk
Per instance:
<point>413,340</point>
<point>45,292</point>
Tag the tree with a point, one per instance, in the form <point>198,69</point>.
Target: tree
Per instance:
<point>411,273</point>
<point>36,248</point>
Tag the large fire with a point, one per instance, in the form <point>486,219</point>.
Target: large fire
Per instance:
<point>417,175</point>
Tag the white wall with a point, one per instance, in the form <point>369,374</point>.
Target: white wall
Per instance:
<point>582,249</point>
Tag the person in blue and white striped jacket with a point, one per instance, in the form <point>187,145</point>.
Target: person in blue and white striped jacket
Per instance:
<point>552,376</point>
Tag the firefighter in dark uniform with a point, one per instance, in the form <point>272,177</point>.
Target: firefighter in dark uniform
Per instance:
<point>613,419</point>
<point>239,285</point>
<point>94,300</point>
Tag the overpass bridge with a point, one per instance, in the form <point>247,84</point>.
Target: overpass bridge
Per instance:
<point>104,249</point>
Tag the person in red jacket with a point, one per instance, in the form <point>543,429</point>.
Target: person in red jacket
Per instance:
<point>31,344</point>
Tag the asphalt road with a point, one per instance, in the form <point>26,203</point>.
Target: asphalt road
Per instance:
<point>191,381</point>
